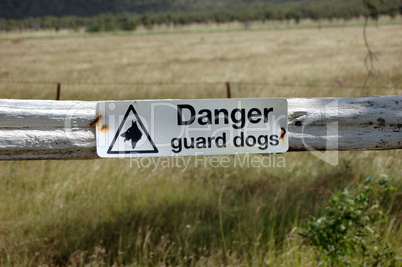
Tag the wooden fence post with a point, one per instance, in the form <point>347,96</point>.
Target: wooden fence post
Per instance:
<point>58,91</point>
<point>228,90</point>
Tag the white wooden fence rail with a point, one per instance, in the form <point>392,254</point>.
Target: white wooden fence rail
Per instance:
<point>44,129</point>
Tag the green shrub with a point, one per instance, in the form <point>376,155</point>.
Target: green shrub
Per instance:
<point>128,25</point>
<point>349,232</point>
<point>94,28</point>
<point>109,27</point>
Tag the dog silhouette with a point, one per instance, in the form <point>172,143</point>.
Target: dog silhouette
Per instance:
<point>133,133</point>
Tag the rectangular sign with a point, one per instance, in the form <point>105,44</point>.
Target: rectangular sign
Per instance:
<point>154,128</point>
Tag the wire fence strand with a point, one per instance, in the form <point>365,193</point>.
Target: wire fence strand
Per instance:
<point>334,85</point>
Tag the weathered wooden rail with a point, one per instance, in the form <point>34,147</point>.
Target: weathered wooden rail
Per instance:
<point>42,129</point>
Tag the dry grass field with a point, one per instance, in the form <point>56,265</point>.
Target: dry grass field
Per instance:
<point>294,57</point>
<point>112,212</point>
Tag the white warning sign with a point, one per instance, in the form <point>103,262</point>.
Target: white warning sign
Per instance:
<point>154,128</point>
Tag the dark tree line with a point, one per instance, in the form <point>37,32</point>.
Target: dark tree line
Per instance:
<point>106,15</point>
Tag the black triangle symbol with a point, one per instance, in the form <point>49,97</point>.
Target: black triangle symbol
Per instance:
<point>132,109</point>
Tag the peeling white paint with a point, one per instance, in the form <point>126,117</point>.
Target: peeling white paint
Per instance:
<point>44,129</point>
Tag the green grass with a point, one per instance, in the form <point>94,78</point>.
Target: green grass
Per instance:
<point>107,210</point>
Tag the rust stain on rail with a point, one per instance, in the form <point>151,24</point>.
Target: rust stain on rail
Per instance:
<point>283,133</point>
<point>92,124</point>
<point>104,128</point>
